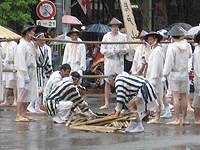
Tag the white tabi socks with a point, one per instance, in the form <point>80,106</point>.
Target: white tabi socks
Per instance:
<point>31,107</point>
<point>167,114</point>
<point>139,128</point>
<point>37,106</point>
<point>131,126</point>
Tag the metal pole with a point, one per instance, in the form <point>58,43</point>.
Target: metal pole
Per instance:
<point>59,13</point>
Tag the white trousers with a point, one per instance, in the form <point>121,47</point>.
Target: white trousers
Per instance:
<point>63,111</point>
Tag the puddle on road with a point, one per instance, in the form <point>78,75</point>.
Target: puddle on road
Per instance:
<point>104,140</point>
<point>179,147</point>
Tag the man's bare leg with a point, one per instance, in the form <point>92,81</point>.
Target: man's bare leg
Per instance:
<point>175,96</point>
<point>15,96</point>
<point>197,110</point>
<point>189,108</point>
<point>5,103</point>
<point>20,106</point>
<point>107,96</point>
<point>184,108</point>
<point>156,120</point>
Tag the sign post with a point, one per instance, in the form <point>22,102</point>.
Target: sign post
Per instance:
<point>129,20</point>
<point>46,10</point>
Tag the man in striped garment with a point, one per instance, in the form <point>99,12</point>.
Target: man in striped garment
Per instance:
<point>65,98</point>
<point>44,70</point>
<point>133,90</point>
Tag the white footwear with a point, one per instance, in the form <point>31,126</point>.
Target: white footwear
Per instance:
<point>130,127</point>
<point>143,114</point>
<point>138,129</point>
<point>30,107</point>
<point>39,110</point>
<point>166,115</point>
<point>171,106</point>
<point>57,119</point>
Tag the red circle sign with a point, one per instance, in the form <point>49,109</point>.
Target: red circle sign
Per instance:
<point>46,10</point>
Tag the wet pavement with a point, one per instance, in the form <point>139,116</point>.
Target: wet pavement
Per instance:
<point>44,134</point>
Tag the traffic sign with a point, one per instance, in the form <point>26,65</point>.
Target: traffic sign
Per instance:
<point>46,10</point>
<point>46,23</point>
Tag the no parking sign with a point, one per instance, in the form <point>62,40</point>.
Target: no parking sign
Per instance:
<point>46,10</point>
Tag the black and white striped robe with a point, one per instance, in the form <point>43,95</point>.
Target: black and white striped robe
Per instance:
<point>129,86</point>
<point>44,67</point>
<point>64,91</point>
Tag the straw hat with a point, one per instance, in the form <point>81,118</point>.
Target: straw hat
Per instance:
<point>177,31</point>
<point>74,30</point>
<point>95,64</point>
<point>114,21</point>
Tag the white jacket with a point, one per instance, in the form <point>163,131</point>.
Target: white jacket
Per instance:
<point>176,63</point>
<point>114,59</point>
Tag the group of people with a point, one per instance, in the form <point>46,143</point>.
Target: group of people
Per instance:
<point>155,69</point>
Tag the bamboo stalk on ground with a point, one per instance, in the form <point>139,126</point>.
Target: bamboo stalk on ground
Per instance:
<point>95,128</point>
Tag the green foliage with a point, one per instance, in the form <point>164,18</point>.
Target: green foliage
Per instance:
<point>16,12</point>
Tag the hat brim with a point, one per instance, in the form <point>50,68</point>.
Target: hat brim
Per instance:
<point>69,33</point>
<point>29,28</point>
<point>157,35</point>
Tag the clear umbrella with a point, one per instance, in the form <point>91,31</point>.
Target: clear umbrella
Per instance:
<point>185,26</point>
<point>193,30</point>
<point>62,37</point>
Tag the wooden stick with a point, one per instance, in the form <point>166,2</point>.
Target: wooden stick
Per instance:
<point>96,120</point>
<point>94,128</point>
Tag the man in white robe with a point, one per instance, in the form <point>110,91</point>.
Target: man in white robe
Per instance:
<point>9,78</point>
<point>2,55</point>
<point>75,54</point>
<point>154,71</point>
<point>113,54</point>
<point>25,62</point>
<point>176,66</point>
<point>139,59</point>
<point>44,70</point>
<point>196,67</point>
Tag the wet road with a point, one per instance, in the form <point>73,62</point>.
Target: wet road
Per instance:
<point>44,134</point>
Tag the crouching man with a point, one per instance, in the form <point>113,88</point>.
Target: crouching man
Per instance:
<point>65,98</point>
<point>132,90</point>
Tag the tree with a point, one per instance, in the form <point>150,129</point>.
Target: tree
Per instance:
<point>16,13</point>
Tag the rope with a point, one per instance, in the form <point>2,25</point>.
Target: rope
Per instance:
<point>86,42</point>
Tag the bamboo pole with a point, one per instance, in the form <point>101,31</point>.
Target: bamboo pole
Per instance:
<point>95,128</point>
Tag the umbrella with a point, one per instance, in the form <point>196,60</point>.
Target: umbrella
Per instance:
<point>68,19</point>
<point>185,26</point>
<point>6,33</point>
<point>62,37</point>
<point>98,28</point>
<point>193,30</point>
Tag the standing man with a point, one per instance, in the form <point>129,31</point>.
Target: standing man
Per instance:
<point>113,54</point>
<point>2,56</point>
<point>196,65</point>
<point>25,62</point>
<point>44,70</point>
<point>176,66</point>
<point>9,78</point>
<point>75,54</point>
<point>154,70</point>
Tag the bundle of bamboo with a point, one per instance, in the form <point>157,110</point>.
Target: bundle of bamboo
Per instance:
<point>102,124</point>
